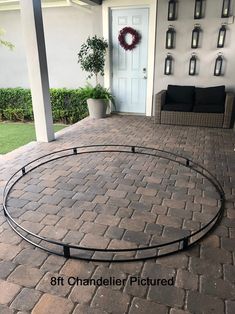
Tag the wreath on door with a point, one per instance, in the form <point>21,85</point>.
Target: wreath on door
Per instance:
<point>136,37</point>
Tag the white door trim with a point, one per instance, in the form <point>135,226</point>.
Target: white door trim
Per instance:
<point>128,83</point>
<point>152,5</point>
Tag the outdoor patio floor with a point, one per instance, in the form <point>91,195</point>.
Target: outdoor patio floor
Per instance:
<point>119,200</point>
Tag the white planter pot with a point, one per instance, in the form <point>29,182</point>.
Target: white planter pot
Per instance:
<point>97,108</point>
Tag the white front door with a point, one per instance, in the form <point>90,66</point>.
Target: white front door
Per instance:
<point>129,67</point>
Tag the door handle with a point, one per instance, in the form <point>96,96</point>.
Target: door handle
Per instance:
<point>145,73</point>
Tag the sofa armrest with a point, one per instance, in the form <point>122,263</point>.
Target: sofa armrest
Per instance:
<point>159,102</point>
<point>228,110</point>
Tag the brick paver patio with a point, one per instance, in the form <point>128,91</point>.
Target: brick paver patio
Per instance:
<point>118,200</point>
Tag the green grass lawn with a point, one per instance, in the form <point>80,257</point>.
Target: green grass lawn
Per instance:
<point>14,135</point>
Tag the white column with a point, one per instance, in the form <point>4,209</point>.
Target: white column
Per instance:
<point>32,23</point>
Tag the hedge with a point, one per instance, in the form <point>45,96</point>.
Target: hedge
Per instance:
<point>67,106</point>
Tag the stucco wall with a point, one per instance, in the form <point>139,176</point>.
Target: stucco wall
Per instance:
<point>182,53</point>
<point>65,30</point>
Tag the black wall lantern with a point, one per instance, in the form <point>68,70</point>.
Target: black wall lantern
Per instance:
<point>198,9</point>
<point>172,10</point>
<point>170,37</point>
<point>195,36</point>
<point>168,65</point>
<point>193,65</point>
<point>221,36</point>
<point>225,8</point>
<point>218,65</point>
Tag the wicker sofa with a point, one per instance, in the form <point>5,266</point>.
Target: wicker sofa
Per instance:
<point>187,105</point>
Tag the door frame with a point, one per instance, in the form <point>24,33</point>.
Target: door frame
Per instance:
<point>146,31</point>
<point>110,5</point>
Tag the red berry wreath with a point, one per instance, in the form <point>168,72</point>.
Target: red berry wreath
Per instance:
<point>135,38</point>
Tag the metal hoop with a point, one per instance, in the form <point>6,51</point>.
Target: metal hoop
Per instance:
<point>90,253</point>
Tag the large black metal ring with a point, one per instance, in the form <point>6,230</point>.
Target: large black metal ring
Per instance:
<point>95,254</point>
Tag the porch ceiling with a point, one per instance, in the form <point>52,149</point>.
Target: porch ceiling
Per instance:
<point>8,5</point>
<point>93,2</point>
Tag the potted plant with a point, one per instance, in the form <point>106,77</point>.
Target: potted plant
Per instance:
<point>98,99</point>
<point>92,59</point>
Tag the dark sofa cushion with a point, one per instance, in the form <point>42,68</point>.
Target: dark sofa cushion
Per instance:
<point>209,108</point>
<point>211,96</point>
<point>180,94</point>
<point>178,107</point>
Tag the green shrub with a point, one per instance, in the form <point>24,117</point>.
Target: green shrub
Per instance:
<point>14,114</point>
<point>67,105</point>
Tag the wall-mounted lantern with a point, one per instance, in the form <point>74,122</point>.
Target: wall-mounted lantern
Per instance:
<point>193,65</point>
<point>168,64</point>
<point>221,36</point>
<point>218,65</point>
<point>198,9</point>
<point>172,10</point>
<point>225,8</point>
<point>170,37</point>
<point>195,36</point>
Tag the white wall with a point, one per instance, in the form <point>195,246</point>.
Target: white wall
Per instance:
<point>65,30</point>
<point>210,25</point>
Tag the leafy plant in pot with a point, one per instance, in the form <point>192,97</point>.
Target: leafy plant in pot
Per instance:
<point>92,59</point>
<point>98,99</point>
